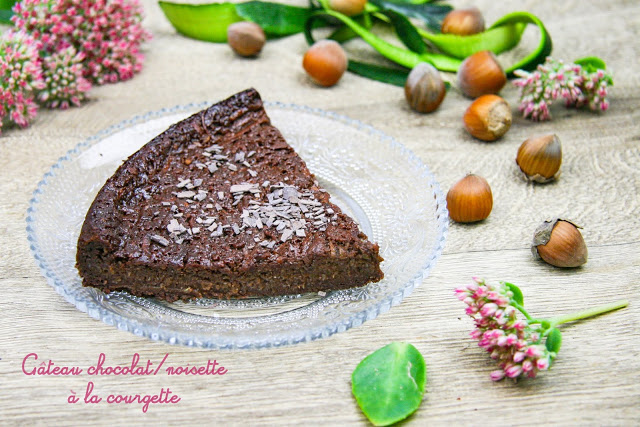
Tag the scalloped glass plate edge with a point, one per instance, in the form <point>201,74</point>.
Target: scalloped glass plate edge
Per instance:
<point>206,340</point>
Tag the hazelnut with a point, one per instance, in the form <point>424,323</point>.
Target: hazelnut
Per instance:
<point>559,243</point>
<point>325,62</point>
<point>424,88</point>
<point>540,158</point>
<point>470,199</point>
<point>246,38</point>
<point>481,74</point>
<point>463,22</point>
<point>488,118</point>
<point>348,7</point>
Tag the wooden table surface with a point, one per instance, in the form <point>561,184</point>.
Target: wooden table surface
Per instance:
<point>594,381</point>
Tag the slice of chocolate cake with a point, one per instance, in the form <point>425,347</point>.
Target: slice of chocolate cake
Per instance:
<point>220,206</point>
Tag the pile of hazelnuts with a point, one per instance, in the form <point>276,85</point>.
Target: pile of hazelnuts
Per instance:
<point>480,77</point>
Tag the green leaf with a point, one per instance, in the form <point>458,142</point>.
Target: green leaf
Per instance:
<point>5,16</point>
<point>209,22</point>
<point>431,14</point>
<point>6,11</point>
<point>7,4</point>
<point>554,340</point>
<point>394,76</point>
<point>275,19</point>
<point>379,73</point>
<point>591,63</point>
<point>389,383</point>
<point>517,293</point>
<point>206,22</point>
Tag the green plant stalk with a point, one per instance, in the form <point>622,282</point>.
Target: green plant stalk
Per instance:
<point>499,39</point>
<point>524,312</point>
<point>502,36</point>
<point>400,56</point>
<point>583,314</point>
<point>344,33</point>
<point>548,324</point>
<point>544,48</point>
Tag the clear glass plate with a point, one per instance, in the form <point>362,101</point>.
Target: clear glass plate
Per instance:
<point>376,180</point>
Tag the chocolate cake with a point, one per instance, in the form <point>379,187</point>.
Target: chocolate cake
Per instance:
<point>220,206</point>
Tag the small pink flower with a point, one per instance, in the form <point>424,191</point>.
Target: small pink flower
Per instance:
<point>488,310</point>
<point>518,356</point>
<point>502,341</point>
<point>542,364</point>
<point>512,339</point>
<point>513,371</point>
<point>527,365</point>
<point>497,375</point>
<point>519,325</point>
<point>534,351</point>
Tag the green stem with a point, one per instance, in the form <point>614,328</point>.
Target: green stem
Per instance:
<point>400,56</point>
<point>542,50</point>
<point>325,4</point>
<point>590,312</point>
<point>497,40</point>
<point>524,312</point>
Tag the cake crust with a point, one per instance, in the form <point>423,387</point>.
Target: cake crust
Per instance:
<point>220,206</point>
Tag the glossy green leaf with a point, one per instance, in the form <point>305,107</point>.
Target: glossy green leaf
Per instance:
<point>275,19</point>
<point>5,17</point>
<point>389,383</point>
<point>517,293</point>
<point>7,4</point>
<point>379,73</point>
<point>554,340</point>
<point>431,14</point>
<point>6,11</point>
<point>591,63</point>
<point>207,22</point>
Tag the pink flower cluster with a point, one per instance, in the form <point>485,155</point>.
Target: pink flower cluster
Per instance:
<point>107,33</point>
<point>58,48</point>
<point>554,79</point>
<point>64,84</point>
<point>513,343</point>
<point>21,76</point>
